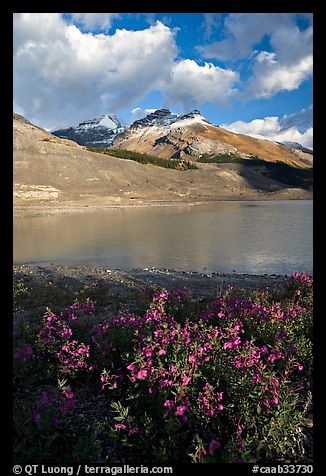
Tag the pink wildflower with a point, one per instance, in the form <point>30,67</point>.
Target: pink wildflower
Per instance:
<point>192,358</point>
<point>169,404</point>
<point>180,410</point>
<point>120,426</point>
<point>227,345</point>
<point>266,402</point>
<point>68,393</point>
<point>142,373</point>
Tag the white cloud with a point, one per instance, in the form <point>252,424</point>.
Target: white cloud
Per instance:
<point>284,67</point>
<point>211,21</point>
<point>94,21</point>
<point>262,127</point>
<point>191,84</point>
<point>242,32</point>
<point>271,76</point>
<point>62,74</point>
<point>139,113</point>
<point>301,120</point>
<point>272,128</point>
<point>293,135</point>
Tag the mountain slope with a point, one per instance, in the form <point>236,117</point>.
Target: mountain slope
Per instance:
<point>56,174</point>
<point>191,135</point>
<point>98,132</point>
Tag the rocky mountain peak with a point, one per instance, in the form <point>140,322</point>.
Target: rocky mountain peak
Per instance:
<point>97,132</point>
<point>194,114</point>
<point>164,117</point>
<point>160,117</point>
<point>109,121</point>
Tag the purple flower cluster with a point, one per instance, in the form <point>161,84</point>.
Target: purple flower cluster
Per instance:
<point>212,375</point>
<point>57,337</point>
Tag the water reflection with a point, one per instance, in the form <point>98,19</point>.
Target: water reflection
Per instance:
<point>253,237</point>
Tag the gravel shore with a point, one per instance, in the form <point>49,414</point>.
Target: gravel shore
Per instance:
<point>122,282</point>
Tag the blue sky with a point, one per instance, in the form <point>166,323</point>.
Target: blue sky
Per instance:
<point>248,72</point>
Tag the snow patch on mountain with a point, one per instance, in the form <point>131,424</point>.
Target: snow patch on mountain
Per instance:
<point>108,122</point>
<point>97,132</point>
<point>162,121</point>
<point>160,117</point>
<point>189,120</point>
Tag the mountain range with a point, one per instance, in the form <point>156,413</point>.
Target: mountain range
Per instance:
<point>190,136</point>
<point>52,174</point>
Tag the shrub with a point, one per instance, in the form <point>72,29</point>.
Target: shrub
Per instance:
<point>147,159</point>
<point>222,385</point>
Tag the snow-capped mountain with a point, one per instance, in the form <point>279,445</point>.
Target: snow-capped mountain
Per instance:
<point>190,136</point>
<point>163,117</point>
<point>160,117</point>
<point>98,132</point>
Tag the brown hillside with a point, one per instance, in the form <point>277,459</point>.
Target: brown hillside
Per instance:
<point>198,138</point>
<point>58,174</point>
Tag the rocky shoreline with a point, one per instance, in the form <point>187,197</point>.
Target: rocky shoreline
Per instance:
<point>86,206</point>
<point>123,282</point>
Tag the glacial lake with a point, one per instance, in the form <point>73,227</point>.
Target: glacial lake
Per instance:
<point>255,237</point>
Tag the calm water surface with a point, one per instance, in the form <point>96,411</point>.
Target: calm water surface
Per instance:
<point>245,237</point>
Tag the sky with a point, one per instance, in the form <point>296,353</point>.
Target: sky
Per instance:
<point>250,73</point>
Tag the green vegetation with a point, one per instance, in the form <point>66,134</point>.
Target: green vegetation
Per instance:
<point>229,159</point>
<point>284,173</point>
<point>146,159</point>
<point>165,380</point>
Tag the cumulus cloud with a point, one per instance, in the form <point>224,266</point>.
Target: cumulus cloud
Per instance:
<point>244,31</point>
<point>61,73</point>
<point>64,74</point>
<point>276,129</point>
<point>271,76</point>
<point>191,84</point>
<point>284,67</point>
